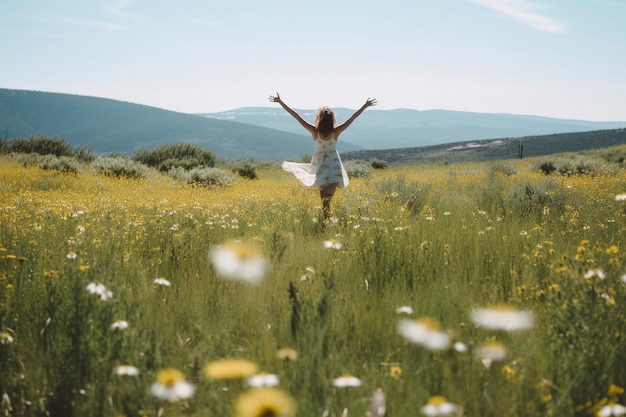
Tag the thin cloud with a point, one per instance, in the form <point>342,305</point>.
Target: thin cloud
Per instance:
<point>523,11</point>
<point>99,24</point>
<point>118,8</point>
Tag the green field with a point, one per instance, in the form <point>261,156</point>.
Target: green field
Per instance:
<point>444,240</point>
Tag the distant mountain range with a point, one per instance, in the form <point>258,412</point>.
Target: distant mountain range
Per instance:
<point>104,125</point>
<point>261,133</point>
<point>402,128</point>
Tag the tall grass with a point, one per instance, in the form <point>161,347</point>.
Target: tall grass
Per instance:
<point>440,239</point>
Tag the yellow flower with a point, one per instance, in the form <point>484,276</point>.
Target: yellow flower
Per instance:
<point>395,371</point>
<point>264,402</point>
<point>287,353</point>
<point>230,369</point>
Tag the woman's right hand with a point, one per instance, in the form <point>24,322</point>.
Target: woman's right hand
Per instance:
<point>275,99</point>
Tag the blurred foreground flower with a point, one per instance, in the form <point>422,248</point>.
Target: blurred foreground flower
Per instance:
<point>404,310</point>
<point>502,318</point>
<point>170,385</point>
<point>100,290</point>
<point>6,338</point>
<point>263,380</point>
<point>239,261</point>
<point>126,370</point>
<point>332,244</point>
<point>491,351</point>
<point>347,381</point>
<point>612,410</point>
<point>162,281</point>
<point>230,369</point>
<point>377,409</point>
<point>264,402</point>
<point>425,332</point>
<point>119,325</point>
<point>287,354</point>
<point>438,406</point>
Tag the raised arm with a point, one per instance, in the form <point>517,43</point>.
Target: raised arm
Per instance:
<point>308,126</point>
<point>344,125</point>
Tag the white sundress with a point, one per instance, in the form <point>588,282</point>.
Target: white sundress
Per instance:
<point>325,166</point>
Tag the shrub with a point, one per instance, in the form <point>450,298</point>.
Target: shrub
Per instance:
<point>410,195</point>
<point>62,164</point>
<point>379,164</point>
<point>206,176</point>
<point>579,165</point>
<point>46,145</point>
<point>358,169</point>
<point>119,167</point>
<point>501,168</point>
<point>246,171</point>
<point>176,155</point>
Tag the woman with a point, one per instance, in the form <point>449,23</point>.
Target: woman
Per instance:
<point>325,170</point>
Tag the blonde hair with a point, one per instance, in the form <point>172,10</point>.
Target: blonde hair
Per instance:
<point>325,121</point>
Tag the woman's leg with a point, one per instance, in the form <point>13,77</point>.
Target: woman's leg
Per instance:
<point>326,193</point>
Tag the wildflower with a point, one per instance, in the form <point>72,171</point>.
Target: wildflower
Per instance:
<point>347,381</point>
<point>6,338</point>
<point>594,273</point>
<point>502,318</point>
<point>119,325</point>
<point>620,197</point>
<point>126,370</point>
<point>100,290</point>
<point>309,273</point>
<point>162,281</point>
<point>438,406</point>
<point>404,309</point>
<point>491,351</point>
<point>239,261</point>
<point>612,410</point>
<point>395,371</point>
<point>170,385</point>
<point>264,402</point>
<point>332,244</point>
<point>263,380</point>
<point>71,255</point>
<point>377,409</point>
<point>459,347</point>
<point>425,332</point>
<point>287,353</point>
<point>230,369</point>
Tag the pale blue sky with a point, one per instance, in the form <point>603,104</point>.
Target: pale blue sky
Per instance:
<point>555,58</point>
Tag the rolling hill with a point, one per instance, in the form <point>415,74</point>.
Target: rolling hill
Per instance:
<point>105,125</point>
<point>269,133</point>
<point>404,128</point>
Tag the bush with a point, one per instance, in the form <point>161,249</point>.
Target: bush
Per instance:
<point>205,177</point>
<point>46,145</point>
<point>379,164</point>
<point>579,165</point>
<point>410,195</point>
<point>246,171</point>
<point>119,167</point>
<point>358,169</point>
<point>43,145</point>
<point>62,164</point>
<point>177,155</point>
<point>501,168</point>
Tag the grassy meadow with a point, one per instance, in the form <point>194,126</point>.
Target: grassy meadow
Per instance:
<point>98,273</point>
